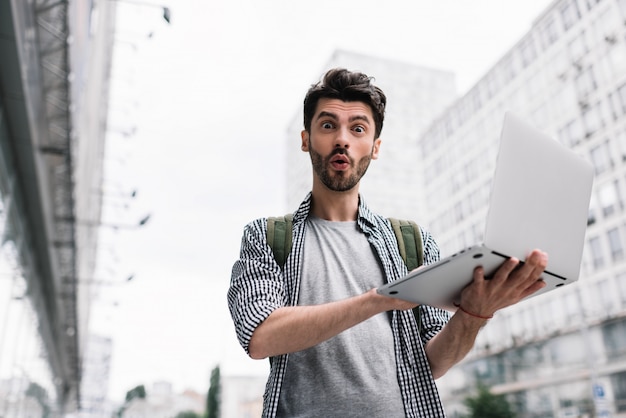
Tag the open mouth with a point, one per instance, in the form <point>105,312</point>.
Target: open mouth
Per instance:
<point>340,162</point>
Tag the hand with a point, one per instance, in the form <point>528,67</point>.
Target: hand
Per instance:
<point>388,303</point>
<point>511,283</point>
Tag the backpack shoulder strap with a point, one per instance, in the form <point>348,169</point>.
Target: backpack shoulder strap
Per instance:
<point>411,249</point>
<point>408,235</point>
<point>279,230</point>
<point>409,239</point>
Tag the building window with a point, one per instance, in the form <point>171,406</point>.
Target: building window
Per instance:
<point>606,26</point>
<point>605,299</point>
<point>527,51</point>
<point>620,139</point>
<point>622,6</point>
<point>562,354</point>
<point>609,198</point>
<point>533,403</point>
<point>621,285</point>
<point>618,381</point>
<point>570,13</point>
<point>617,61</point>
<point>546,312</point>
<point>508,68</point>
<point>573,399</point>
<point>577,47</point>
<point>549,32</point>
<point>614,336</point>
<point>572,133</point>
<point>591,3</point>
<point>477,100</point>
<point>571,305</point>
<point>596,252</point>
<point>491,85</point>
<point>621,95</point>
<point>600,157</point>
<point>615,243</point>
<point>458,212</point>
<point>586,82</point>
<point>592,118</point>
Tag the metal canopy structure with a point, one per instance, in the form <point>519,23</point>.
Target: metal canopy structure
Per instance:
<point>38,107</point>
<point>35,91</point>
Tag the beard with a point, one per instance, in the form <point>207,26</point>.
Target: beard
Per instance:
<point>339,181</point>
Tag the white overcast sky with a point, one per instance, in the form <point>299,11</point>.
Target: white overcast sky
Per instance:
<point>209,98</point>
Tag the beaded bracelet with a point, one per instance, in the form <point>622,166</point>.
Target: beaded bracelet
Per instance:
<point>472,314</point>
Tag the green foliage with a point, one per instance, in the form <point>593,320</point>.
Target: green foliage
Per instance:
<point>213,397</point>
<point>137,392</point>
<point>487,405</point>
<point>36,391</point>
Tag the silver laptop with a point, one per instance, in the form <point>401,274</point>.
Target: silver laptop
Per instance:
<point>539,199</point>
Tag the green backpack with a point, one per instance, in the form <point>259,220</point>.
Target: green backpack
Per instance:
<point>279,235</point>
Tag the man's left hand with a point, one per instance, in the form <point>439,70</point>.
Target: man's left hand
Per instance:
<point>512,282</point>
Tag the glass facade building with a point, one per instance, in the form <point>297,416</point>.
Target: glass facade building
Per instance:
<point>562,353</point>
<point>52,128</point>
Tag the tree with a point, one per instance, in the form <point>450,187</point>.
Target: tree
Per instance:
<point>138,392</point>
<point>487,405</point>
<point>39,393</point>
<point>213,397</point>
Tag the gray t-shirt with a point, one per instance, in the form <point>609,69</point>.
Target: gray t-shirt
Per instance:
<point>353,373</point>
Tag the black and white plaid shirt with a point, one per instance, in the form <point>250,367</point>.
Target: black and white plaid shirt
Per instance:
<point>259,286</point>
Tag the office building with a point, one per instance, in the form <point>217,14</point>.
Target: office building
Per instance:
<point>562,353</point>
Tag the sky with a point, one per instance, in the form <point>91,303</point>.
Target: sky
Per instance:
<point>199,110</point>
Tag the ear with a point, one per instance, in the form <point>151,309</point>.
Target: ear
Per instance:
<point>305,140</point>
<point>376,149</point>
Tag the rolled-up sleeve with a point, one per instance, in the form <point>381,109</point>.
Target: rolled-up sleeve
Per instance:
<point>256,287</point>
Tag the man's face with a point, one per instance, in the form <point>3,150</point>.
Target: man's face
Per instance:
<point>341,143</point>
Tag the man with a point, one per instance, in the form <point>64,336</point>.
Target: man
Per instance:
<point>337,347</point>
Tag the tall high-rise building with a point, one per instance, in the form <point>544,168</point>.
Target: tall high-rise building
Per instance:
<point>563,352</point>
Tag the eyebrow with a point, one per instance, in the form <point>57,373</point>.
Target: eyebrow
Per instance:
<point>334,116</point>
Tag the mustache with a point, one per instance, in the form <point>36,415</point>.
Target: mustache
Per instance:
<point>339,151</point>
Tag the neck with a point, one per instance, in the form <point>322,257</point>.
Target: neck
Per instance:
<point>335,206</point>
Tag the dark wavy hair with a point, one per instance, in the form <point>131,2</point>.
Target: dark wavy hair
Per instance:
<point>348,86</point>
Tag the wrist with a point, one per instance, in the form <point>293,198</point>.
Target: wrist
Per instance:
<point>473,314</point>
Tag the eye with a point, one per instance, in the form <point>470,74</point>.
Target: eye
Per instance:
<point>327,125</point>
<point>359,129</point>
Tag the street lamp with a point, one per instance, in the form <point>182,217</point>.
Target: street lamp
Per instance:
<point>99,282</point>
<point>167,14</point>
<point>115,226</point>
<point>139,224</point>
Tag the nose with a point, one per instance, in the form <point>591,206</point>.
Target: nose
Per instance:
<point>342,138</point>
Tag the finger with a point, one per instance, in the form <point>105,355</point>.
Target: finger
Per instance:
<point>479,274</point>
<point>533,268</point>
<point>505,269</point>
<point>537,258</point>
<point>534,287</point>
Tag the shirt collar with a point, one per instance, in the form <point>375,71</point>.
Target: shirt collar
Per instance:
<point>365,219</point>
